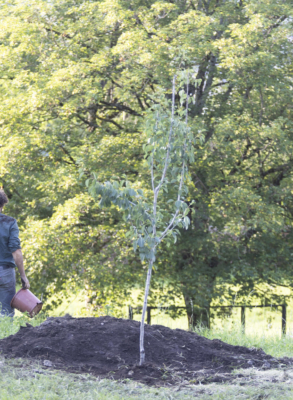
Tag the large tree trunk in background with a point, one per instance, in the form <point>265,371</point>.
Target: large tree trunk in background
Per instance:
<point>197,271</point>
<point>196,315</point>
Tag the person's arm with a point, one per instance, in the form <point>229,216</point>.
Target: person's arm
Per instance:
<point>18,259</point>
<point>14,247</point>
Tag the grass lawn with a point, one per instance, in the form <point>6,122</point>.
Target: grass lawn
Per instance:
<point>23,379</point>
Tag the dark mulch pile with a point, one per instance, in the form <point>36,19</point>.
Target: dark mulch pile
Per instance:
<point>109,347</point>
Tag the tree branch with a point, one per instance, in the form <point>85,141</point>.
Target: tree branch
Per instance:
<point>65,151</point>
<point>169,139</point>
<point>121,107</point>
<point>280,168</point>
<point>101,119</point>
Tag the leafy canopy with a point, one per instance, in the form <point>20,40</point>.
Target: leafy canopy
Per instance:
<point>76,82</point>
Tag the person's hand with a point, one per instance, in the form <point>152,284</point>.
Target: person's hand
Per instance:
<point>25,282</point>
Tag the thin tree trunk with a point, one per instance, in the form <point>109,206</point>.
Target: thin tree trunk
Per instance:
<point>145,303</point>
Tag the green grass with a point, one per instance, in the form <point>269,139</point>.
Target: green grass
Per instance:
<point>10,326</point>
<point>275,345</point>
<point>23,379</point>
<point>20,380</point>
<point>25,382</point>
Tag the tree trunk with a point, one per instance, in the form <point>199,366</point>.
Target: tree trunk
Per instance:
<point>145,303</point>
<point>196,315</point>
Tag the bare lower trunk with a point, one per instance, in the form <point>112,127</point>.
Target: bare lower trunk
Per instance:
<point>145,303</point>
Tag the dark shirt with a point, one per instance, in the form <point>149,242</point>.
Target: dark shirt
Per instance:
<point>9,240</point>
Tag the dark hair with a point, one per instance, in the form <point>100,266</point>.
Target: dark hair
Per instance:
<point>3,198</point>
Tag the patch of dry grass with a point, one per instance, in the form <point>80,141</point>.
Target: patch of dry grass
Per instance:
<point>23,380</point>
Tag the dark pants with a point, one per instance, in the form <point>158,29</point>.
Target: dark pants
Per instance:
<point>7,290</point>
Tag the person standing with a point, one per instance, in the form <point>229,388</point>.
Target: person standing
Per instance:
<point>10,257</point>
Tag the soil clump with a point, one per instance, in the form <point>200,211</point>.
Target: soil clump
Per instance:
<point>109,347</point>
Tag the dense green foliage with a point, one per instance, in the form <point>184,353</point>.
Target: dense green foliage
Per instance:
<point>76,79</point>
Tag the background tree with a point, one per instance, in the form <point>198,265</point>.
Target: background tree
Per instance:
<point>76,81</point>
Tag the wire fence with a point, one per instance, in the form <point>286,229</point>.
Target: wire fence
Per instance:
<point>136,310</point>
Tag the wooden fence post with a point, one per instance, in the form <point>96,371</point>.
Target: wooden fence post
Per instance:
<point>149,315</point>
<point>284,319</point>
<point>243,318</point>
<point>130,312</point>
<point>209,317</point>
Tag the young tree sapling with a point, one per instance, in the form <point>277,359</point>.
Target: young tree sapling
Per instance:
<point>168,151</point>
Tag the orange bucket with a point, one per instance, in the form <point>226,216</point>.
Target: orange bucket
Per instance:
<point>25,300</point>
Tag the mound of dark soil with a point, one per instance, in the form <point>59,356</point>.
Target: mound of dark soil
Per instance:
<point>109,347</point>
